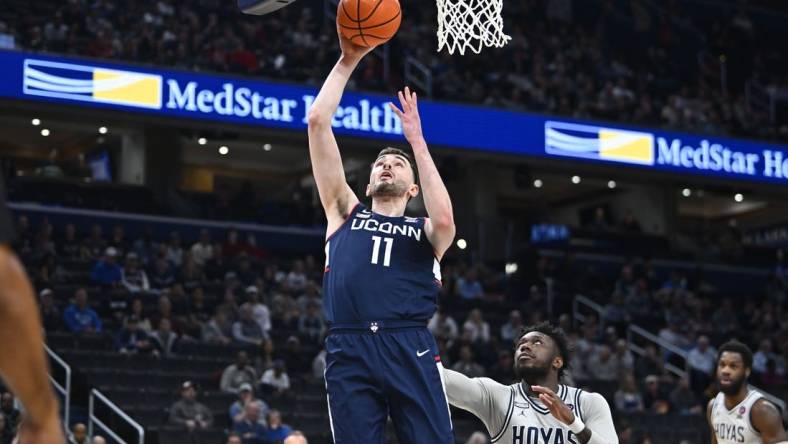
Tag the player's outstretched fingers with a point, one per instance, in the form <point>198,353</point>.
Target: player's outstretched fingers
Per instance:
<point>396,110</point>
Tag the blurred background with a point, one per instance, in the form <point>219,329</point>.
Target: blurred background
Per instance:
<point>619,169</point>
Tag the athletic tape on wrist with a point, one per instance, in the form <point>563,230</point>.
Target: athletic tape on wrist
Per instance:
<point>577,426</point>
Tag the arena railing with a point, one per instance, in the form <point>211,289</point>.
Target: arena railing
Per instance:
<point>95,396</point>
<point>63,388</point>
<point>578,316</point>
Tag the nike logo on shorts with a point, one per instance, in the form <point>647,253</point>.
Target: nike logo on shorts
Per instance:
<point>420,354</point>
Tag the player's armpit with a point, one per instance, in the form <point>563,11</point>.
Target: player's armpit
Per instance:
<point>708,420</point>
<point>766,419</point>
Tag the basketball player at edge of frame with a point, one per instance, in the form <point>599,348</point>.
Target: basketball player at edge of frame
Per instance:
<point>537,408</point>
<point>23,364</point>
<point>382,279</point>
<point>740,414</point>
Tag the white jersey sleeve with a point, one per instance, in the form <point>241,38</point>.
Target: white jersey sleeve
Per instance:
<point>595,413</point>
<point>488,400</point>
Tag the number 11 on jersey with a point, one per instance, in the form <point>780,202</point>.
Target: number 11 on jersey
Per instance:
<point>376,250</point>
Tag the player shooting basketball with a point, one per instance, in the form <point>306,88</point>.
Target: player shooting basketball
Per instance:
<point>22,361</point>
<point>537,409</point>
<point>382,279</point>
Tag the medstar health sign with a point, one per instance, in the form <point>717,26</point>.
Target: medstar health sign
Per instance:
<point>232,100</point>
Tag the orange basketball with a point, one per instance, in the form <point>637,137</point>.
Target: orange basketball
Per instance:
<point>369,22</point>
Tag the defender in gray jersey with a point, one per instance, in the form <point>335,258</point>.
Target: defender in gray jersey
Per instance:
<point>536,410</point>
<point>739,414</point>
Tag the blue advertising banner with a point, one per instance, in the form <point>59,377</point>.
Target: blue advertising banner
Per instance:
<point>234,100</point>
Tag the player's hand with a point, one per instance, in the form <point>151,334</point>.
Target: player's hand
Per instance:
<point>350,50</point>
<point>409,115</point>
<point>49,432</point>
<point>557,408</point>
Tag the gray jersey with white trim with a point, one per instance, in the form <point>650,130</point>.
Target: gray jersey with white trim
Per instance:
<point>512,417</point>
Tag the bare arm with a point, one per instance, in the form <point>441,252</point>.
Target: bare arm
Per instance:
<point>766,419</point>
<point>708,419</point>
<point>336,195</point>
<point>24,366</point>
<point>440,227</point>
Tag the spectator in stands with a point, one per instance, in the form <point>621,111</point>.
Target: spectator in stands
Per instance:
<point>9,411</point>
<point>654,398</point>
<point>296,438</point>
<point>478,328</point>
<point>503,370</point>
<point>683,400</point>
<point>615,313</point>
<point>724,320</point>
<point>442,325</point>
<point>311,325</point>
<point>702,360</point>
<point>133,277</point>
<point>162,275</point>
<point>69,247</point>
<point>293,354</point>
<point>246,330</point>
<point>466,365</point>
<point>232,438</point>
<point>629,224</point>
<point>137,311</point>
<point>650,363</point>
<point>191,276</point>
<point>51,317</point>
<point>624,358</point>
<point>276,431</point>
<point>174,251</point>
<point>132,338</point>
<point>511,329</point>
<point>107,272</point>
<point>188,412</point>
<point>164,339</point>
<point>245,396</point>
<point>627,397</point>
<point>238,374</point>
<point>249,428</point>
<point>469,287</point>
<point>762,356</point>
<point>94,245</point>
<point>98,439</point>
<point>202,250</point>
<point>260,312</point>
<point>79,434</point>
<point>275,380</point>
<point>296,280</point>
<point>673,335</point>
<point>603,366</point>
<point>79,317</point>
<point>218,330</point>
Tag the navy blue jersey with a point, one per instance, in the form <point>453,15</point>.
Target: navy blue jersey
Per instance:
<point>380,268</point>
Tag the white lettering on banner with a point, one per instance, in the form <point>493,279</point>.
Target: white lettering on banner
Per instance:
<point>774,164</point>
<point>708,156</point>
<point>362,117</point>
<point>240,102</point>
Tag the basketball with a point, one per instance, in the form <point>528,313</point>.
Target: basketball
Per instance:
<point>369,22</point>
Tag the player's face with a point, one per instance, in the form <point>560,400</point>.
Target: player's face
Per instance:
<point>391,176</point>
<point>535,356</point>
<point>732,374</point>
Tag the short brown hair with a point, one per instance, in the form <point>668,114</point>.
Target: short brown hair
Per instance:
<point>399,152</point>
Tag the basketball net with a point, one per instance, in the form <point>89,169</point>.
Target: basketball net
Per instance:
<point>470,24</point>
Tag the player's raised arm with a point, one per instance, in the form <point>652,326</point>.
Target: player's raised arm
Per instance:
<point>440,227</point>
<point>766,419</point>
<point>479,396</point>
<point>335,194</point>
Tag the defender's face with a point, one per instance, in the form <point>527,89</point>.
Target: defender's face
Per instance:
<point>534,351</point>
<point>731,372</point>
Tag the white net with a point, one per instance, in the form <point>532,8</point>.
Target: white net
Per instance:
<point>470,24</point>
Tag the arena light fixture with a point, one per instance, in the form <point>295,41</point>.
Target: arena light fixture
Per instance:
<point>268,147</point>
<point>202,141</point>
<point>224,150</point>
<point>738,197</point>
<point>103,130</point>
<point>45,132</point>
<point>511,268</point>
<point>538,183</point>
<point>576,180</point>
<point>36,122</point>
<point>462,244</point>
<point>612,184</point>
<point>686,192</point>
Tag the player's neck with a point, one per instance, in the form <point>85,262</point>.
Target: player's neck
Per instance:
<point>549,381</point>
<point>733,401</point>
<point>392,207</point>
